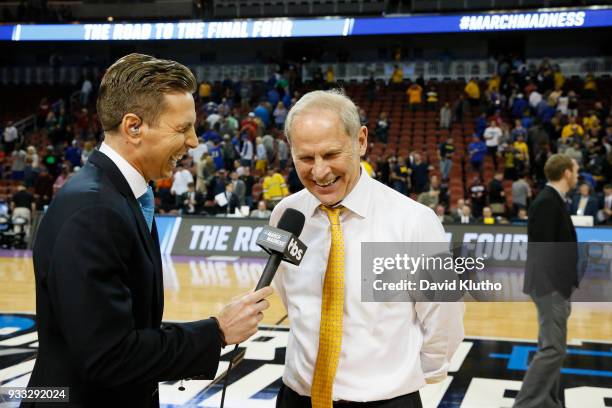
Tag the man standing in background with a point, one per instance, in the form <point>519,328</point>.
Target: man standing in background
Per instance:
<point>550,277</point>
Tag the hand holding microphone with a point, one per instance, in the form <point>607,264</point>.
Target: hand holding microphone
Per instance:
<point>239,319</point>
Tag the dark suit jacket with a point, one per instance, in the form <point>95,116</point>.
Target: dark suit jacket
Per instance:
<point>591,208</point>
<point>99,299</point>
<point>552,252</point>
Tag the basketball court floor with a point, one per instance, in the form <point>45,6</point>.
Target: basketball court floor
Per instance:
<point>486,370</point>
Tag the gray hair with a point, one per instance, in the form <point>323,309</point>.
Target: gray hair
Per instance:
<point>333,100</point>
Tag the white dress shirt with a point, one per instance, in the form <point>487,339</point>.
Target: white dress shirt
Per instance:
<point>388,349</point>
<point>136,181</point>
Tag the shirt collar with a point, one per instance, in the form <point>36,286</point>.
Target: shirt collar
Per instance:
<point>357,201</point>
<point>557,190</point>
<point>136,181</point>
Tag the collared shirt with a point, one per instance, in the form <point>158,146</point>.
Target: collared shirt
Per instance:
<point>136,181</point>
<point>388,349</point>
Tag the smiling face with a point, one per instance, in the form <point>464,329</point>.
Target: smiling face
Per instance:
<point>164,144</point>
<point>326,158</point>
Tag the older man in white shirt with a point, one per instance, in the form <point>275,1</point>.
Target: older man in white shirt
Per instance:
<point>341,349</point>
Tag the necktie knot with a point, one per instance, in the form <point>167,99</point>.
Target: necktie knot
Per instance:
<point>333,213</point>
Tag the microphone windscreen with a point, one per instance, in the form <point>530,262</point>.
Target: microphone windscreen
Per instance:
<point>292,221</point>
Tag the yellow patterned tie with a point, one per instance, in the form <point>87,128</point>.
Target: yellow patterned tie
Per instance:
<point>330,337</point>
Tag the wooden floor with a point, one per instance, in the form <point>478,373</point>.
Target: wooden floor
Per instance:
<point>196,289</point>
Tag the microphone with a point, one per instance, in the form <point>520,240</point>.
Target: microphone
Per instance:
<point>282,243</point>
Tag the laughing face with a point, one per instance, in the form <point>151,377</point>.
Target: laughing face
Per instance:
<point>163,145</point>
<point>325,157</point>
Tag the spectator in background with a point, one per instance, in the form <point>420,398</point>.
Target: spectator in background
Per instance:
<point>23,205</point>
<point>606,205</point>
<point>590,86</point>
<point>191,200</point>
<point>18,163</point>
<point>519,106</point>
<point>574,150</point>
<point>497,195</point>
<point>43,188</point>
<point>33,158</point>
<point>521,154</point>
<point>584,203</point>
<point>88,149</point>
<point>262,112</point>
<point>261,211</point>
<point>61,179</point>
<point>262,156</point>
<point>442,216</point>
<point>430,198</point>
<point>397,76</point>
<point>518,130</point>
<point>521,217</point>
<point>248,181</point>
<point>415,95</point>
<point>274,188</point>
<point>280,114</point>
<point>216,152</point>
<point>466,216</point>
<point>572,104</point>
<point>445,154</point>
<point>472,90</point>
<point>205,171</point>
<point>239,187</point>
<point>181,179</point>
<point>487,216</point>
<point>204,92</point>
<point>492,135</point>
<point>432,98</point>
<point>232,202</point>
<point>419,175</point>
<point>10,136</point>
<point>86,89</point>
<point>534,99</point>
<point>330,78</point>
<point>477,150</point>
<point>445,116</point>
<point>572,129</point>
<point>283,153</point>
<point>521,193</point>
<point>478,196</point>
<point>459,108</point>
<point>247,151</point>
<point>382,128</point>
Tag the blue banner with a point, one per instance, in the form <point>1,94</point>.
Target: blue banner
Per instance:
<point>320,27</point>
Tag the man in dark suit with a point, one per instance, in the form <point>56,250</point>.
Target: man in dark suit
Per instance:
<point>550,277</point>
<point>584,203</point>
<point>99,289</point>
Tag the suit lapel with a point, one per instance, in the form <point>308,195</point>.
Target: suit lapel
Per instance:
<point>159,276</point>
<point>114,174</point>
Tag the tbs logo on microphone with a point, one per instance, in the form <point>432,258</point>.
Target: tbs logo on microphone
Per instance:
<point>277,241</point>
<point>294,249</point>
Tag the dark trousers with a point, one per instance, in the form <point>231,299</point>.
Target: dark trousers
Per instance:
<point>287,398</point>
<point>541,383</point>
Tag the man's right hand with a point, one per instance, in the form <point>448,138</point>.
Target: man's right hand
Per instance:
<point>239,319</point>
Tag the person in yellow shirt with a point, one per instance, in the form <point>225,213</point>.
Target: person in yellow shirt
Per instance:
<point>204,92</point>
<point>493,85</point>
<point>330,78</point>
<point>572,129</point>
<point>415,95</point>
<point>558,77</point>
<point>397,77</point>
<point>591,122</point>
<point>274,188</point>
<point>521,153</point>
<point>590,86</point>
<point>473,92</point>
